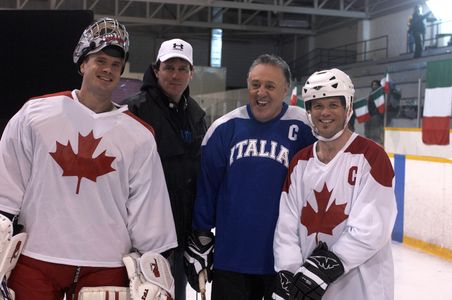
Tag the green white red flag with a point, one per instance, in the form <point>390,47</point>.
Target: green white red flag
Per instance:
<point>386,86</point>
<point>438,103</point>
<point>295,100</point>
<point>361,110</point>
<point>378,97</point>
<point>293,97</point>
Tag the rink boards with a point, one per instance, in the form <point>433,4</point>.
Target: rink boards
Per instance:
<point>423,186</point>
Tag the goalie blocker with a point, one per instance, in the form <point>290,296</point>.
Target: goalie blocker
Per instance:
<point>150,279</point>
<point>150,275</point>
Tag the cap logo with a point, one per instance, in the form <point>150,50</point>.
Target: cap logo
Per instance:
<point>178,47</point>
<point>113,38</point>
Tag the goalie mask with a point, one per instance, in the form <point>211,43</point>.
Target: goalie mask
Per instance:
<point>103,33</point>
<point>325,84</point>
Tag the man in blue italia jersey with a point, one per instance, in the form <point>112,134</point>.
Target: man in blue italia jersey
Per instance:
<point>244,159</point>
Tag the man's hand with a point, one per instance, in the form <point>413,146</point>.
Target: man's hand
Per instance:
<point>283,282</point>
<point>199,256</point>
<point>320,269</point>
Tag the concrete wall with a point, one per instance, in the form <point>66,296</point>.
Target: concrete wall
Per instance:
<point>238,54</point>
<point>341,36</point>
<point>395,27</point>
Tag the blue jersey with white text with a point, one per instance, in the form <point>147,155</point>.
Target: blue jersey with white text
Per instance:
<point>243,166</point>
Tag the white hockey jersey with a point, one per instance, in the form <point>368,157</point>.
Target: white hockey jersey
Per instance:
<point>349,203</point>
<point>89,187</point>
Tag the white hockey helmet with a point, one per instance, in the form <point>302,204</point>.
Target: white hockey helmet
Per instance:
<point>100,34</point>
<point>325,84</point>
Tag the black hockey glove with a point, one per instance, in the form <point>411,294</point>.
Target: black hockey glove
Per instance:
<point>282,284</point>
<point>320,269</point>
<point>198,256</point>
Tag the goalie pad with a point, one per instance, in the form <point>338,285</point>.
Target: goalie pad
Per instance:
<point>103,293</point>
<point>10,252</point>
<point>10,249</point>
<point>150,276</point>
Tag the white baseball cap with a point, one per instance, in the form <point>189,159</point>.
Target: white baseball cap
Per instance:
<point>175,48</point>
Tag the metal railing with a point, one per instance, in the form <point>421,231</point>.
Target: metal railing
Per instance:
<point>321,58</point>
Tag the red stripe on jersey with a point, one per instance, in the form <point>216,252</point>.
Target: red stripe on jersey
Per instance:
<point>151,129</point>
<point>65,93</point>
<point>381,167</point>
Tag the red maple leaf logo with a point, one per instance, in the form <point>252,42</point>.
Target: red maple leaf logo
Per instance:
<point>82,164</point>
<point>323,220</point>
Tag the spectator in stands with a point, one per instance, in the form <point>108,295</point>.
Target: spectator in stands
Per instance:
<point>373,128</point>
<point>418,30</point>
<point>410,37</point>
<point>393,97</point>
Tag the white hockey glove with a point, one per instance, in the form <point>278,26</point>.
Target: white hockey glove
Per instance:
<point>198,256</point>
<point>150,276</point>
<point>320,269</point>
<point>10,249</point>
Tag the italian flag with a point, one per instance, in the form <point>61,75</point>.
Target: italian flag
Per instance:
<point>438,103</point>
<point>361,110</point>
<point>294,99</point>
<point>386,84</point>
<point>378,96</point>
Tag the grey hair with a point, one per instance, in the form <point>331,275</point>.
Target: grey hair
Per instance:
<point>271,59</point>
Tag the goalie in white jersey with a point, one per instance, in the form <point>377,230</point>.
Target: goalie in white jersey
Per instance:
<point>337,209</point>
<point>85,178</point>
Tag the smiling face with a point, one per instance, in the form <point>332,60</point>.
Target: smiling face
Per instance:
<point>173,76</point>
<point>267,88</point>
<point>328,115</point>
<point>101,74</point>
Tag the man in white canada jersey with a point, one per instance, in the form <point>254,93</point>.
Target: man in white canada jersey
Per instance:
<point>337,209</point>
<point>84,177</point>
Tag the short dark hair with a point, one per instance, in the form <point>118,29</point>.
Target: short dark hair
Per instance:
<point>341,98</point>
<point>271,59</point>
<point>375,81</point>
<point>156,65</point>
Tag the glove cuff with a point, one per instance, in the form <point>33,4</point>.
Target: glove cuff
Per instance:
<point>329,266</point>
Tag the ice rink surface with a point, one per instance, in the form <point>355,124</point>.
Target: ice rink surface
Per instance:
<point>418,276</point>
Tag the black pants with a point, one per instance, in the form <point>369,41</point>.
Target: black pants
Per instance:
<point>238,286</point>
<point>176,260</point>
<point>418,45</point>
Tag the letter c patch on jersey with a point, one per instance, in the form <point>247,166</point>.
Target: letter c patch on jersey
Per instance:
<point>293,130</point>
<point>352,175</point>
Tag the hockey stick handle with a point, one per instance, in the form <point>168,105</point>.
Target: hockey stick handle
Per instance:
<point>202,283</point>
